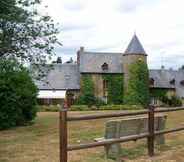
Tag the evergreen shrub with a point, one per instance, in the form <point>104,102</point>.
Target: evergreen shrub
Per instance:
<point>18,95</point>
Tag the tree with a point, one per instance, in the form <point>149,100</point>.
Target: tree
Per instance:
<point>18,95</point>
<point>137,92</point>
<point>25,34</point>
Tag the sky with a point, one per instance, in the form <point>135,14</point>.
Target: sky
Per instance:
<point>108,26</point>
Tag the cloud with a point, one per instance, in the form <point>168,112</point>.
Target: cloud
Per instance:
<point>71,27</point>
<point>73,5</point>
<point>101,25</point>
<point>134,5</point>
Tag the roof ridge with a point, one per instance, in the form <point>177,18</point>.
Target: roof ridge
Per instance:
<point>87,52</point>
<point>135,46</point>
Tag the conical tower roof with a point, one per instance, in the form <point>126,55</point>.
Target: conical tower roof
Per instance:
<point>135,47</point>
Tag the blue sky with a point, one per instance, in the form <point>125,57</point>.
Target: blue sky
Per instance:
<point>108,25</point>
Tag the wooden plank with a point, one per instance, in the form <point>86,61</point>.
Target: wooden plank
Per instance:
<point>107,142</point>
<point>63,134</point>
<point>109,115</point>
<point>151,131</point>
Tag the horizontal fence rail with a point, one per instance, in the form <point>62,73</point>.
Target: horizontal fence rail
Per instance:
<point>64,147</point>
<point>108,115</point>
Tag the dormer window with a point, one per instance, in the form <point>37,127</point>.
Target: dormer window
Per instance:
<point>182,82</point>
<point>104,66</point>
<point>172,82</point>
<point>151,81</point>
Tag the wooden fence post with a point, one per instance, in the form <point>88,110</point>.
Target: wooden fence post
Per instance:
<point>151,130</point>
<point>63,133</point>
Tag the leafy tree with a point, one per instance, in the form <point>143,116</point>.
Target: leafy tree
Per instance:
<point>25,34</point>
<point>17,95</point>
<point>137,92</point>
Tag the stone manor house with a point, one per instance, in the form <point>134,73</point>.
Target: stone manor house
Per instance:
<point>67,76</point>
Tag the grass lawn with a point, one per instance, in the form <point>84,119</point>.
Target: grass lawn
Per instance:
<point>39,142</point>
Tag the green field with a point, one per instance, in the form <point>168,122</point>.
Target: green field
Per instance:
<point>40,142</point>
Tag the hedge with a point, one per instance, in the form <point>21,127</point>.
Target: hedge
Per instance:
<point>53,108</point>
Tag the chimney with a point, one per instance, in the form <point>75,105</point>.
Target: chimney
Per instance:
<point>59,60</point>
<point>162,68</point>
<point>79,52</point>
<point>81,49</point>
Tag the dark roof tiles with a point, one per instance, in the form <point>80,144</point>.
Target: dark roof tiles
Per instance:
<point>135,47</point>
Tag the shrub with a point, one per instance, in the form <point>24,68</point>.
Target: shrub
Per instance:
<point>89,100</point>
<point>172,101</point>
<point>79,108</point>
<point>18,95</point>
<point>105,107</point>
<point>121,107</point>
<point>50,108</point>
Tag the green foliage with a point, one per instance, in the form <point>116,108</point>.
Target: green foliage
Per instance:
<point>87,96</point>
<point>80,108</point>
<point>25,33</point>
<point>137,92</point>
<point>115,88</point>
<point>158,93</point>
<point>50,108</point>
<point>53,108</point>
<point>87,91</point>
<point>121,107</point>
<point>17,95</point>
<point>105,107</point>
<point>87,86</point>
<point>161,94</point>
<point>173,101</point>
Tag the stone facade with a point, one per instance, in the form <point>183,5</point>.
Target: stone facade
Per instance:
<point>67,76</point>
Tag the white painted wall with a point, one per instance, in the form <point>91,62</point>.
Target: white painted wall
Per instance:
<point>55,94</point>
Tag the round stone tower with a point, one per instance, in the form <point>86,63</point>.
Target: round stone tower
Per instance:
<point>133,53</point>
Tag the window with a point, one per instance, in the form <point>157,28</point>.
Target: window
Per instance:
<point>172,82</point>
<point>105,88</point>
<point>105,66</point>
<point>182,82</point>
<point>151,81</point>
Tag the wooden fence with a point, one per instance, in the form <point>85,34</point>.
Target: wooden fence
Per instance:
<point>64,119</point>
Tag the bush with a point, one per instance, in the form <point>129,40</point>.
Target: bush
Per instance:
<point>50,108</point>
<point>106,107</point>
<point>79,108</point>
<point>89,100</point>
<point>18,95</point>
<point>173,101</point>
<point>121,107</point>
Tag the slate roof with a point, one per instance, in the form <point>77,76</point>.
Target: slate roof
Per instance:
<point>62,77</point>
<point>91,62</point>
<point>135,47</point>
<point>162,78</point>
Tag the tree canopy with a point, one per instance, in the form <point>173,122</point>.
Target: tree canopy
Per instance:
<point>26,34</point>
